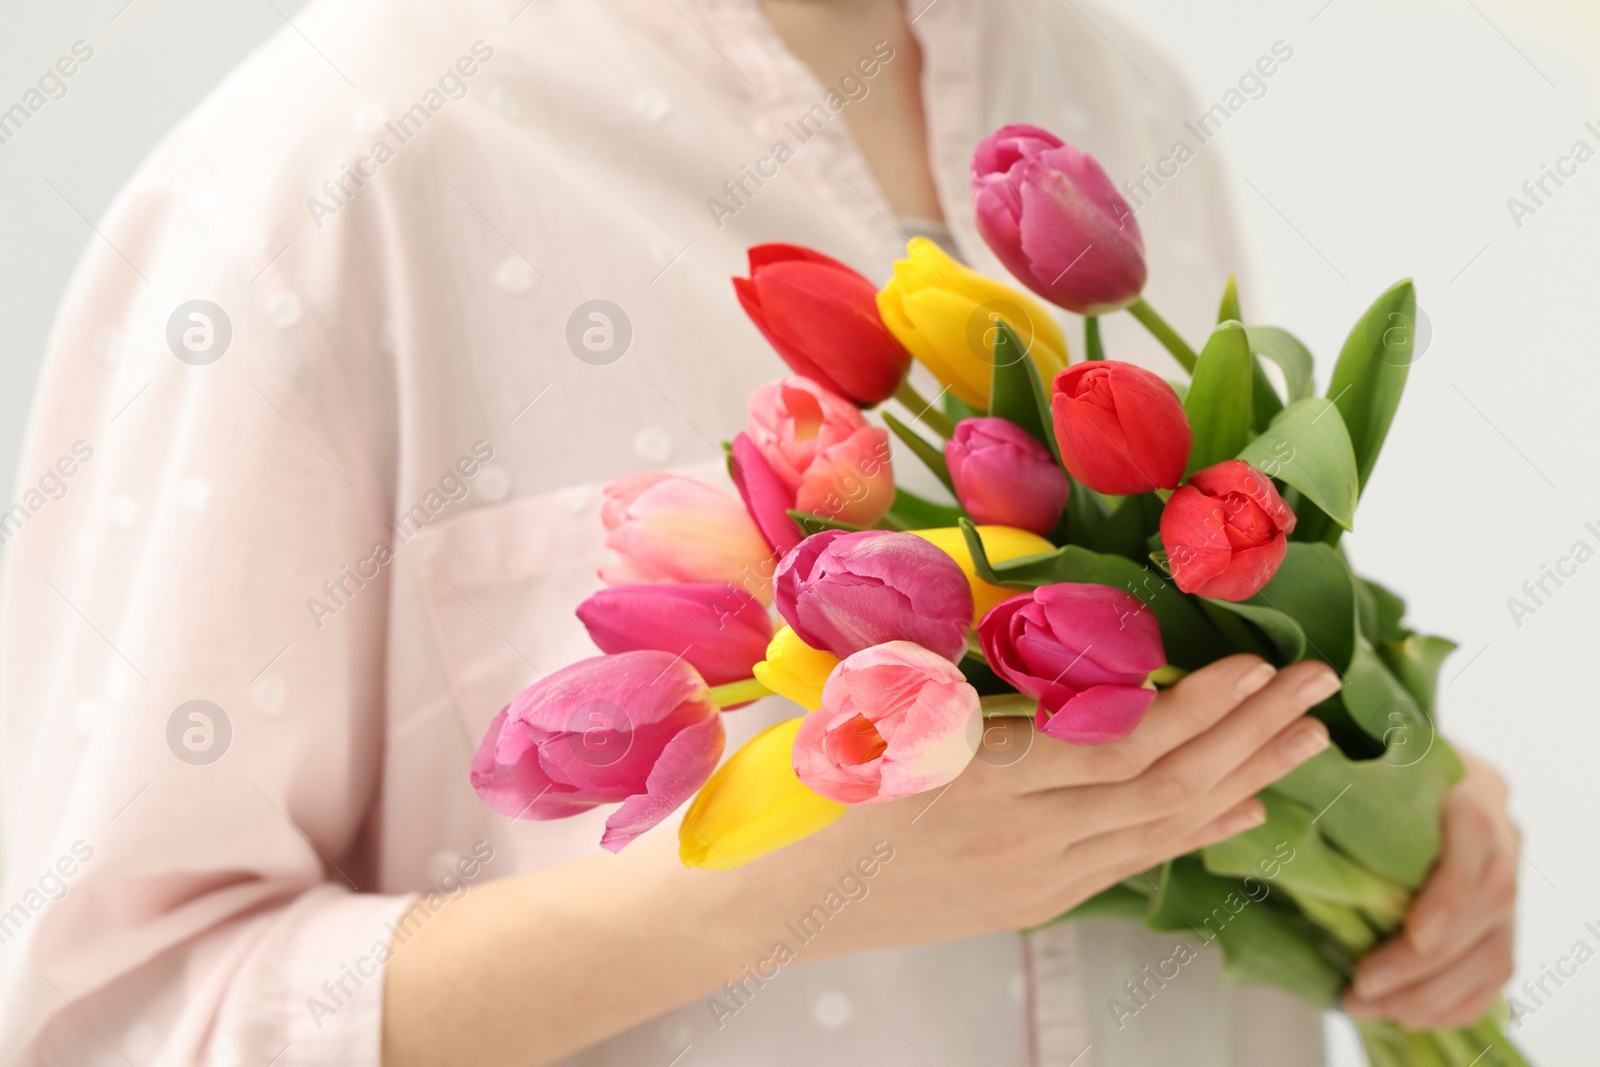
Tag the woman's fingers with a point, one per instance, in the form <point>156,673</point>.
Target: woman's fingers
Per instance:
<point>1455,996</point>
<point>1245,748</point>
<point>1178,714</point>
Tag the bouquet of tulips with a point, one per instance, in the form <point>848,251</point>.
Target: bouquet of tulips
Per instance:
<point>1106,532</point>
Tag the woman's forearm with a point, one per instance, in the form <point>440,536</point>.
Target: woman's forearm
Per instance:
<point>528,970</point>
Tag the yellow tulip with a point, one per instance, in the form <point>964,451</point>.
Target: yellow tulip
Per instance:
<point>752,805</point>
<point>1000,543</point>
<point>931,306</point>
<point>794,669</point>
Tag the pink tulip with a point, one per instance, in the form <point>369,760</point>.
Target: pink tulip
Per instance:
<point>1056,221</point>
<point>896,719</point>
<point>668,528</point>
<point>844,592</point>
<point>1083,652</point>
<point>1004,476</point>
<point>638,727</point>
<point>831,461</point>
<point>1226,532</point>
<point>764,495</point>
<point>720,631</point>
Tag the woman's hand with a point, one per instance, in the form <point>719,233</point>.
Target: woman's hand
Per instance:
<point>1448,966</point>
<point>1015,842</point>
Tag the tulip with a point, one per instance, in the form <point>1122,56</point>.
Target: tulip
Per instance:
<point>1000,543</point>
<point>822,317</point>
<point>1083,652</point>
<point>720,631</point>
<point>831,462</point>
<point>668,528</point>
<point>764,496</point>
<point>1003,476</point>
<point>794,669</point>
<point>1056,221</point>
<point>1226,532</point>
<point>944,313</point>
<point>1121,429</point>
<point>754,804</point>
<point>637,727</point>
<point>844,592</point>
<point>896,719</point>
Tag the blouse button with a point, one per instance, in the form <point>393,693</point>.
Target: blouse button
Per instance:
<point>283,309</point>
<point>650,105</point>
<point>494,483</point>
<point>514,275</point>
<point>832,1010</point>
<point>653,445</point>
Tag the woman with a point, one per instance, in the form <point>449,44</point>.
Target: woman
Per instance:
<point>339,384</point>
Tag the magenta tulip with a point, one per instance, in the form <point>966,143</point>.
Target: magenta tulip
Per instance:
<point>896,719</point>
<point>668,528</point>
<point>1004,476</point>
<point>720,631</point>
<point>843,592</point>
<point>1056,221</point>
<point>639,728</point>
<point>1083,652</point>
<point>1226,532</point>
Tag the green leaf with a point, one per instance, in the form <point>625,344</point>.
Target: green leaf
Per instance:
<point>1292,357</point>
<point>1016,392</point>
<point>1308,447</point>
<point>1218,401</point>
<point>1382,613</point>
<point>1127,530</point>
<point>956,409</point>
<point>1190,639</point>
<point>810,523</point>
<point>1116,902</point>
<point>1371,372</point>
<point>1228,311</point>
<point>918,513</point>
<point>929,454</point>
<point>1285,634</point>
<point>1415,661</point>
<point>1309,607</point>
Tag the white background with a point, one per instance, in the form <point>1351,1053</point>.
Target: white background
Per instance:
<point>1388,147</point>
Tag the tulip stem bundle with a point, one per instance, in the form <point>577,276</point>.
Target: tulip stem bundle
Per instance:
<point>1106,537</point>
<point>924,411</point>
<point>1163,332</point>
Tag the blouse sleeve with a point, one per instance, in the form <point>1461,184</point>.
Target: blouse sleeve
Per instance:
<point>191,752</point>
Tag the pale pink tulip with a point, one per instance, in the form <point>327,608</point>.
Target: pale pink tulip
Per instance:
<point>896,719</point>
<point>668,528</point>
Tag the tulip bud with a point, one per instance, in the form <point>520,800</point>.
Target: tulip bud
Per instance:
<point>794,669</point>
<point>720,631</point>
<point>1226,532</point>
<point>1003,476</point>
<point>944,313</point>
<point>754,804</point>
<point>765,496</point>
<point>668,528</point>
<point>638,727</point>
<point>1000,543</point>
<point>827,457</point>
<point>822,317</point>
<point>896,719</point>
<point>1083,652</point>
<point>1121,429</point>
<point>1056,221</point>
<point>846,591</point>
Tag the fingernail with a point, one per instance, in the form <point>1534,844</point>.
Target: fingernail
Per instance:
<point>1427,930</point>
<point>1255,678</point>
<point>1358,1009</point>
<point>1319,687</point>
<point>1307,741</point>
<point>1248,819</point>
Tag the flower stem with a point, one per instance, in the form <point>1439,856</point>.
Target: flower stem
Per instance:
<point>1152,321</point>
<point>1092,349</point>
<point>1168,675</point>
<point>930,416</point>
<point>738,692</point>
<point>1008,705</point>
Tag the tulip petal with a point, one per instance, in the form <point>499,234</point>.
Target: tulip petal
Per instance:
<point>682,768</point>
<point>1098,715</point>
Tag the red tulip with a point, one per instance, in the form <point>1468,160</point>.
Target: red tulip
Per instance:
<point>1121,429</point>
<point>822,317</point>
<point>1056,221</point>
<point>1083,652</point>
<point>1226,532</point>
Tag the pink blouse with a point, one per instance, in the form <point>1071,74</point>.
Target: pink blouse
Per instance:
<point>310,491</point>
